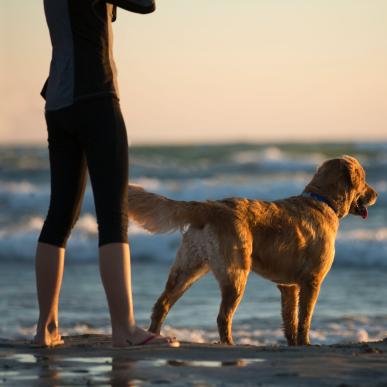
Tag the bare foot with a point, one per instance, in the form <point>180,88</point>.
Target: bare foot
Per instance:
<point>142,337</point>
<point>45,338</point>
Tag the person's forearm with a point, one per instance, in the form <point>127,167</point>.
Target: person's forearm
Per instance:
<point>137,6</point>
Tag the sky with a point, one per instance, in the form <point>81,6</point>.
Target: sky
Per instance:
<point>219,71</point>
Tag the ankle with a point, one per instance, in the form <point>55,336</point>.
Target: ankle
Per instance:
<point>48,335</point>
<point>124,330</point>
<point>50,327</point>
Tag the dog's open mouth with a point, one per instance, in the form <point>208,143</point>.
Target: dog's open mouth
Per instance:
<point>361,209</point>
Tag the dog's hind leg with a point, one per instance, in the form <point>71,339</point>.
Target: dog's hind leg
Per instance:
<point>185,271</point>
<point>309,291</point>
<point>232,285</point>
<point>289,303</point>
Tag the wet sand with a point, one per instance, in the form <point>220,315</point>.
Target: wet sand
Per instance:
<point>90,360</point>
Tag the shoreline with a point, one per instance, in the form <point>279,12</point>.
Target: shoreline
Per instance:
<point>90,360</point>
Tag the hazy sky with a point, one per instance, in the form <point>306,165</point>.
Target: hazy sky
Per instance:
<point>220,70</point>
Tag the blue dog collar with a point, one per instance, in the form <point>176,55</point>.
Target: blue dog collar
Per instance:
<point>319,198</point>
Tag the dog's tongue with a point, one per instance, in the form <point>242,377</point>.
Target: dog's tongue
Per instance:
<point>363,212</point>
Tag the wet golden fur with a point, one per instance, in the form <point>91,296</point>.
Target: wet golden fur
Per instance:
<point>289,241</point>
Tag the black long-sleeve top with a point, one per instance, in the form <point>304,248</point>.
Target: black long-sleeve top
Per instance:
<point>82,64</point>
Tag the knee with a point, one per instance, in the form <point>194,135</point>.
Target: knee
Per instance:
<point>57,227</point>
<point>113,228</point>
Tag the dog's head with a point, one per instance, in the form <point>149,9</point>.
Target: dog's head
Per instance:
<point>342,182</point>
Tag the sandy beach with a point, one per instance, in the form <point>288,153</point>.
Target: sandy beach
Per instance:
<point>90,360</point>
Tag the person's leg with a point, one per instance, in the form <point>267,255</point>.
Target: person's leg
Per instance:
<point>49,264</point>
<point>106,146</point>
<point>68,179</point>
<point>114,263</point>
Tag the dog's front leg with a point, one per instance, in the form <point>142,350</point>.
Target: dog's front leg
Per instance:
<point>309,291</point>
<point>289,304</point>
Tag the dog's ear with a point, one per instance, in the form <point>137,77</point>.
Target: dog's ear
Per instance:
<point>329,172</point>
<point>352,171</point>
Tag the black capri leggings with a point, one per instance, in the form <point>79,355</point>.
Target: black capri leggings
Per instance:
<point>87,135</point>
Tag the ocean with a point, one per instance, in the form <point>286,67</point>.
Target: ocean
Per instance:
<point>353,301</point>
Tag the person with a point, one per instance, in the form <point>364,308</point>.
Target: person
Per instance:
<point>86,130</point>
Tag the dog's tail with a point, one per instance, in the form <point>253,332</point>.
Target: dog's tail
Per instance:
<point>159,214</point>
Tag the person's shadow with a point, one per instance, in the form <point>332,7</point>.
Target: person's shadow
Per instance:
<point>55,370</point>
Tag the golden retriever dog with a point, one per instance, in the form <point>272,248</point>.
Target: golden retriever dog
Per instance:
<point>290,242</point>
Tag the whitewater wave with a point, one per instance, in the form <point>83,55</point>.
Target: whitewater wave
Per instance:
<point>360,247</point>
<point>273,159</point>
<point>348,329</point>
<point>264,172</point>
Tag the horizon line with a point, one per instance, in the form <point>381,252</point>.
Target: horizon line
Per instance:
<point>217,143</point>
